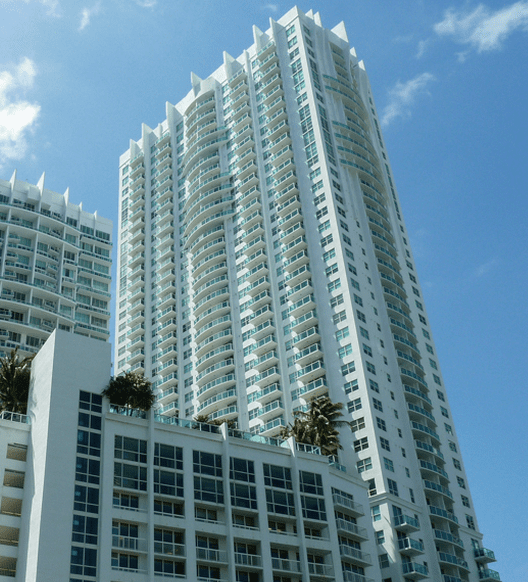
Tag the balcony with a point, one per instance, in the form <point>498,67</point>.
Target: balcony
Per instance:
<point>248,560</point>
<point>409,547</point>
<point>414,571</point>
<point>448,537</point>
<point>209,555</point>
<point>488,575</point>
<point>283,565</point>
<point>351,529</point>
<point>406,523</point>
<point>483,555</point>
<point>320,570</point>
<point>356,556</point>
<point>350,506</point>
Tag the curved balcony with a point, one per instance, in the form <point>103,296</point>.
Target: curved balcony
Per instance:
<point>205,227</point>
<point>168,395</point>
<point>214,356</point>
<point>168,366</point>
<point>437,488</point>
<point>220,368</point>
<point>443,513</point>
<point>311,390</point>
<point>270,410</point>
<point>453,560</point>
<point>418,413</point>
<point>432,468</point>
<point>422,446</point>
<point>209,243</point>
<point>202,306</point>
<point>218,205</point>
<point>218,385</point>
<point>264,344</point>
<point>214,341</point>
<point>207,316</point>
<point>410,547</point>
<point>217,401</point>
<point>213,327</point>
<point>447,536</point>
<point>209,287</point>
<point>414,571</point>
<point>424,429</point>
<point>267,394</point>
<point>272,428</point>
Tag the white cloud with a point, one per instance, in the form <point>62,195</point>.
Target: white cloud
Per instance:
<point>485,268</point>
<point>86,15</point>
<point>422,47</point>
<point>403,95</point>
<point>17,116</point>
<point>483,29</point>
<point>272,7</point>
<point>146,3</point>
<point>53,6</point>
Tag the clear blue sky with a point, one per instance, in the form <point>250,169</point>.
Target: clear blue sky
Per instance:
<point>450,79</point>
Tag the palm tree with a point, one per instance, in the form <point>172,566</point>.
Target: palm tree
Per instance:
<point>14,382</point>
<point>130,390</point>
<point>318,426</point>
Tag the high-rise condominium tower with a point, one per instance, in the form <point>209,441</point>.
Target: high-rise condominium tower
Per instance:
<point>264,261</point>
<point>54,267</point>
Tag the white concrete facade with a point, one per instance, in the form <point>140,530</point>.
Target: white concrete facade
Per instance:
<point>55,267</point>
<point>264,261</point>
<point>113,497</point>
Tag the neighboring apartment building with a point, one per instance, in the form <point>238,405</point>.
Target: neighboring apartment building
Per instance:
<point>55,267</point>
<point>264,261</point>
<point>90,493</point>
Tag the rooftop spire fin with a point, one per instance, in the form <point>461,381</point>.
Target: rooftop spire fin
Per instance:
<point>340,31</point>
<point>40,183</point>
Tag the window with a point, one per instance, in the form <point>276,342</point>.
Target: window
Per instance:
<point>440,396</point>
<point>393,487</point>
<point>381,423</point>
<point>367,350</point>
<point>457,464</point>
<point>361,444</point>
<point>384,561</point>
<point>341,316</point>
<point>370,368</point>
<point>361,316</point>
<point>374,386</point>
<point>345,350</point>
<point>377,404</point>
<point>452,446</point>
<point>444,412</point>
<point>337,300</point>
<point>364,465</point>
<point>375,513</point>
<point>389,465</point>
<point>357,424</point>
<point>275,476</point>
<point>333,285</point>
<point>470,522</point>
<point>448,428</point>
<point>385,444</point>
<point>358,299</point>
<point>348,368</point>
<point>342,333</point>
<point>351,386</point>
<point>380,537</point>
<point>354,405</point>
<point>364,332</point>
<point>461,482</point>
<point>280,502</point>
